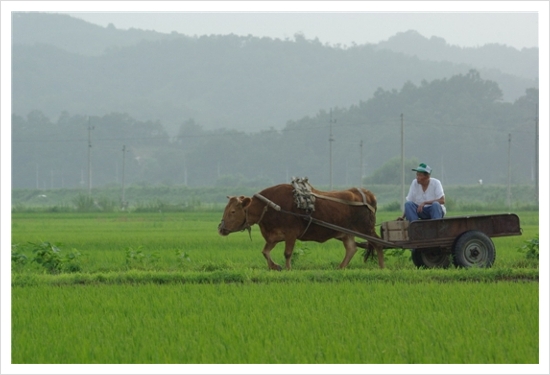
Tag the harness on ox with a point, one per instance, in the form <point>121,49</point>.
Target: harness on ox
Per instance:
<point>304,198</point>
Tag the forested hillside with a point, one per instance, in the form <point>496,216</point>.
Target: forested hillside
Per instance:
<point>458,125</point>
<point>61,64</point>
<point>485,58</point>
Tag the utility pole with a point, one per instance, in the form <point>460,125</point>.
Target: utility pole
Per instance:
<point>442,172</point>
<point>537,154</point>
<point>330,140</point>
<point>185,170</point>
<point>90,128</point>
<point>509,194</point>
<point>402,166</point>
<point>123,164</point>
<point>361,164</point>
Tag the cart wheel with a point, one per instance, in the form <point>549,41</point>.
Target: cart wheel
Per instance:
<point>431,258</point>
<point>474,248</point>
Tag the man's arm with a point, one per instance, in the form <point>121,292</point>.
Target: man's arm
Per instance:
<point>440,200</point>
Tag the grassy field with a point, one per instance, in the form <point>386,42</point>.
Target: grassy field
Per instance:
<point>345,322</point>
<point>116,242</point>
<point>166,288</point>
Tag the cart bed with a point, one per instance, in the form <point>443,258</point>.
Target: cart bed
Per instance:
<point>443,232</point>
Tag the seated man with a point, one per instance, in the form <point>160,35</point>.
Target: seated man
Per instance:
<point>426,199</point>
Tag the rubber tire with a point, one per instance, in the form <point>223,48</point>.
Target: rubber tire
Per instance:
<point>474,249</point>
<point>430,258</point>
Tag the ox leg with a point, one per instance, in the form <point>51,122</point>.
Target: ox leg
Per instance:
<point>371,248</point>
<point>267,254</point>
<point>351,249</point>
<point>289,248</point>
<point>380,254</point>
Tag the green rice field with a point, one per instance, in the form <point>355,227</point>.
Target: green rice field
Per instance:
<point>165,288</point>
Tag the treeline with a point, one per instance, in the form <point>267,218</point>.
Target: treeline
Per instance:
<point>458,198</point>
<point>460,126</point>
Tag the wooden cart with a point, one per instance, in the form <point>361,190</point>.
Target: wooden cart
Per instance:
<point>462,240</point>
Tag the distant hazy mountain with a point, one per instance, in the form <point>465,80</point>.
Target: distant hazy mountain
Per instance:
<point>75,35</point>
<point>62,63</point>
<point>506,59</point>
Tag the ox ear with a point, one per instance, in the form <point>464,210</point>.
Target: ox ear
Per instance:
<point>246,201</point>
<point>239,199</point>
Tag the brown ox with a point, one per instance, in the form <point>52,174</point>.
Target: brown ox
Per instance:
<point>277,226</point>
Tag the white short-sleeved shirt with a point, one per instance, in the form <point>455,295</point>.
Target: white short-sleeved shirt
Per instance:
<point>434,191</point>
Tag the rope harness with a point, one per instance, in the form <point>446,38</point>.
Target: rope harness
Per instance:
<point>304,198</point>
<point>246,225</point>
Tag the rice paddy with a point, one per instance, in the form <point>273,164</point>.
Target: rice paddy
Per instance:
<point>167,289</point>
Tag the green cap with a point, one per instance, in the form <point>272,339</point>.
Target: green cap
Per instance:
<point>422,167</point>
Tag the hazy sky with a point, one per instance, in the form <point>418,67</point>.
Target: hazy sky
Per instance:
<point>459,28</point>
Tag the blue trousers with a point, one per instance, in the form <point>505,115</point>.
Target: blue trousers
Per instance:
<point>433,211</point>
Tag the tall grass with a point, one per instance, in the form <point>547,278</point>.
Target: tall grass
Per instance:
<point>302,323</point>
<point>115,242</point>
<point>255,276</point>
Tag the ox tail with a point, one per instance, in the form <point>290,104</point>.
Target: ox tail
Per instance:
<point>368,251</point>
